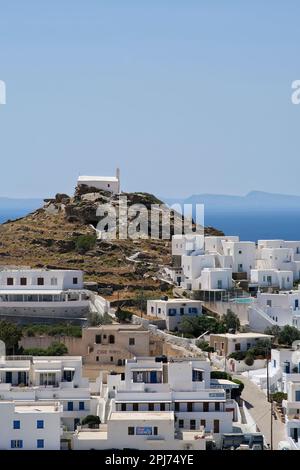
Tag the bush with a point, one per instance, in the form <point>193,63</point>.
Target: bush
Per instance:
<point>92,421</point>
<point>84,243</point>
<point>278,397</point>
<point>123,316</point>
<point>218,374</point>
<point>204,345</point>
<point>55,349</point>
<point>249,360</point>
<point>236,392</point>
<point>238,355</point>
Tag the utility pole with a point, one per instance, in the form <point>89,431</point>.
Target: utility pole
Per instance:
<point>270,400</point>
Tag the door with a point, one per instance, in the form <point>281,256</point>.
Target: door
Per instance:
<point>297,395</point>
<point>296,303</point>
<point>216,426</point>
<point>8,377</point>
<point>295,434</point>
<point>153,377</point>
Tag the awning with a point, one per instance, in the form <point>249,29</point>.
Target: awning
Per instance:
<point>198,369</point>
<point>199,400</point>
<point>146,369</point>
<point>158,401</point>
<point>69,368</point>
<point>47,371</point>
<point>14,369</point>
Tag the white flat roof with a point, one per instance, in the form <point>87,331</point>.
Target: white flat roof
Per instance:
<point>242,335</point>
<point>32,408</point>
<point>141,415</point>
<point>83,179</point>
<point>31,292</point>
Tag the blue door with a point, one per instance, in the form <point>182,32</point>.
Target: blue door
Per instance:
<point>296,303</point>
<point>297,395</point>
<point>287,367</point>
<point>153,377</point>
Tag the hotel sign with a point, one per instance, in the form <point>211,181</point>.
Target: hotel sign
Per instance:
<point>143,431</point>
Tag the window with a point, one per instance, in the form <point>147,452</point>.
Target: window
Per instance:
<point>40,443</point>
<point>111,339</point>
<point>189,406</point>
<point>172,312</point>
<point>53,281</point>
<point>16,444</point>
<point>197,376</point>
<point>123,406</point>
<point>16,425</point>
<point>240,252</point>
<point>217,406</point>
<point>135,407</point>
<point>181,310</point>
<point>81,405</point>
<point>10,281</point>
<point>70,406</point>
<point>23,281</point>
<point>192,424</point>
<point>150,406</point>
<point>155,431</point>
<point>159,310</point>
<point>269,303</point>
<point>193,310</point>
<point>205,406</point>
<point>75,280</point>
<point>40,424</point>
<point>237,347</point>
<point>111,359</point>
<point>131,341</point>
<point>177,406</point>
<point>152,309</point>
<point>40,281</point>
<point>203,423</point>
<point>181,423</point>
<point>131,431</point>
<point>97,358</point>
<point>98,339</point>
<point>162,407</point>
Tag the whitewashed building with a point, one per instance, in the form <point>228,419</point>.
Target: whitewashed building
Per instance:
<point>271,278</point>
<point>29,425</point>
<point>282,308</point>
<point>151,430</point>
<point>106,183</point>
<point>243,255</point>
<point>173,310</point>
<point>215,279</point>
<point>182,386</point>
<point>43,293</point>
<point>48,378</point>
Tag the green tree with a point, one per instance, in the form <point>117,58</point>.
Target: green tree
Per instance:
<point>288,335</point>
<point>230,321</point>
<point>204,345</point>
<point>196,326</point>
<point>123,316</point>
<point>57,349</point>
<point>10,334</point>
<point>92,421</point>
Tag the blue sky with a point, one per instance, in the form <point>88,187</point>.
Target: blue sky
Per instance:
<point>185,96</point>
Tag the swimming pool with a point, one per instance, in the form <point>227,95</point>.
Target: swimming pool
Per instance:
<point>243,300</point>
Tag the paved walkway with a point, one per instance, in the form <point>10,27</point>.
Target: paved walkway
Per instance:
<point>260,410</point>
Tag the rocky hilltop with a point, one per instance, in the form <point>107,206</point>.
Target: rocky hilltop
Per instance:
<point>61,234</point>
